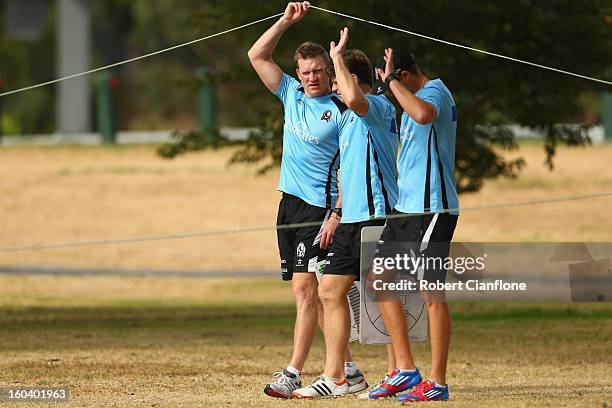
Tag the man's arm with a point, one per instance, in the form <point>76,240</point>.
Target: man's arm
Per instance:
<point>260,53</point>
<point>420,111</point>
<point>329,227</point>
<point>352,95</point>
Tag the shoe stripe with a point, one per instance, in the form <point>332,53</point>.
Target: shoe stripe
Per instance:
<point>405,379</point>
<point>397,381</point>
<point>322,391</point>
<point>326,387</point>
<point>432,393</point>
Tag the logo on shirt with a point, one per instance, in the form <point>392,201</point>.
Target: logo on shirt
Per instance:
<point>344,145</point>
<point>326,116</point>
<point>406,137</point>
<point>301,131</point>
<point>301,250</point>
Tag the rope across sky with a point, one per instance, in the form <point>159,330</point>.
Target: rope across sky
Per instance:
<point>116,64</point>
<point>75,244</point>
<point>533,64</point>
<point>465,47</point>
<point>286,226</point>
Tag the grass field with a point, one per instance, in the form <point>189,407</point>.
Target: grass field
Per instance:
<point>185,342</point>
<point>153,341</point>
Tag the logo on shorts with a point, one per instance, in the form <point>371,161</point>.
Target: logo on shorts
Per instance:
<point>326,116</point>
<point>301,250</point>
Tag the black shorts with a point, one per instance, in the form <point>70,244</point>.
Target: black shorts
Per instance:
<point>299,247</point>
<point>425,235</point>
<point>344,252</point>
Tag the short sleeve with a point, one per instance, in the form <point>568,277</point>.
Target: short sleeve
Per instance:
<point>343,121</point>
<point>286,89</point>
<point>377,110</point>
<point>435,96</point>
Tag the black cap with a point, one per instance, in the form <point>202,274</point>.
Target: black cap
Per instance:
<point>402,60</point>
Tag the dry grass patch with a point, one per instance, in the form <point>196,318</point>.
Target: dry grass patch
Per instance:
<point>134,343</point>
<point>65,194</point>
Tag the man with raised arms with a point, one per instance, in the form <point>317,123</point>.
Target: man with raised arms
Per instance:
<point>313,119</point>
<point>368,151</point>
<point>425,219</point>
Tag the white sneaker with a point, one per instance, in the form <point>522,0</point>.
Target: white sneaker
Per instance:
<point>323,387</point>
<point>284,385</point>
<point>356,382</point>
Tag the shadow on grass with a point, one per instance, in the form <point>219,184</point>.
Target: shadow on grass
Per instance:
<point>145,316</point>
<point>260,316</point>
<point>209,327</point>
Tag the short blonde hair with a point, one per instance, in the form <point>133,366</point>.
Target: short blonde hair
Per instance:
<point>310,50</point>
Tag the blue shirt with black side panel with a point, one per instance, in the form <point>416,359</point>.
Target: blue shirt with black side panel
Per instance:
<point>310,144</point>
<point>427,156</point>
<point>368,154</point>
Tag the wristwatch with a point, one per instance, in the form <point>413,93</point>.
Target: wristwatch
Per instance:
<point>337,211</point>
<point>392,76</point>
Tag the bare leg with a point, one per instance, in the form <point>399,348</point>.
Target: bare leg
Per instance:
<point>395,322</point>
<point>321,315</point>
<point>304,286</point>
<point>347,354</point>
<point>332,292</point>
<point>391,365</point>
<point>440,334</point>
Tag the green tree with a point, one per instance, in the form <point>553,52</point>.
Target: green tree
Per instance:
<point>490,93</point>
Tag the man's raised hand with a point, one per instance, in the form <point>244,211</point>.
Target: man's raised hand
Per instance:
<point>388,64</point>
<point>337,50</point>
<point>296,11</point>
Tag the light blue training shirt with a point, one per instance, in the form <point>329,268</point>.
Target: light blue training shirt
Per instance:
<point>368,155</point>
<point>427,157</point>
<point>310,144</point>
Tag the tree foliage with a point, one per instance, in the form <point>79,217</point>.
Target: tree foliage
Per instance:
<point>490,93</point>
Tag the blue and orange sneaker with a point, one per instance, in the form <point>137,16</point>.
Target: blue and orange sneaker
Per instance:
<point>397,382</point>
<point>425,391</point>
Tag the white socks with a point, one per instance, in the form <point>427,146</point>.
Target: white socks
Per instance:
<point>350,368</point>
<point>294,371</point>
